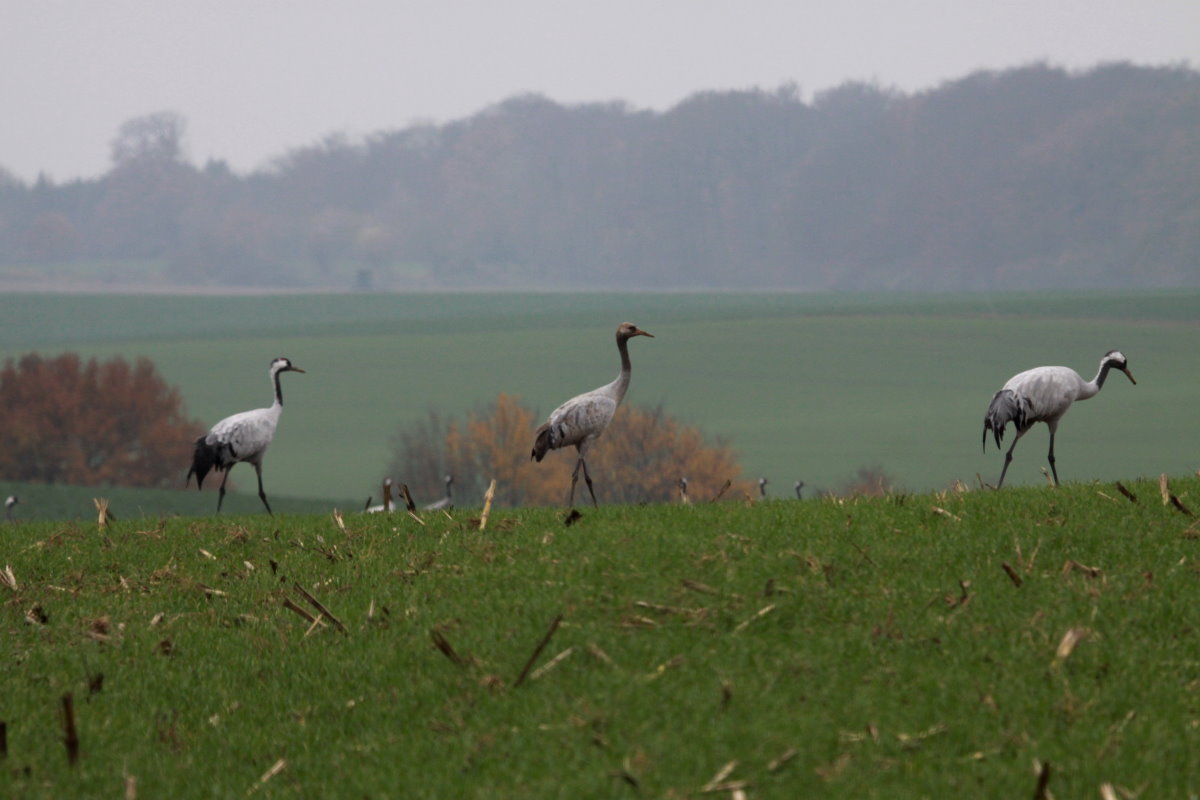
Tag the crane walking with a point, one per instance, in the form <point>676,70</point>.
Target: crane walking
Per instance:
<point>580,421</point>
<point>1043,394</point>
<point>242,437</point>
<point>445,503</point>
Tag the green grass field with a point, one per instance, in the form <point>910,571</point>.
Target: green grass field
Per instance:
<point>46,502</point>
<point>807,387</point>
<point>871,648</point>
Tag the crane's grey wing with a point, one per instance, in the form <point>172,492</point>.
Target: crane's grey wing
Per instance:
<point>244,436</point>
<point>241,437</point>
<point>1049,392</point>
<point>581,417</point>
<point>1006,406</point>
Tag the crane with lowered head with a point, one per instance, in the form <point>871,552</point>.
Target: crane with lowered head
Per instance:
<point>386,506</point>
<point>1043,394</point>
<point>445,502</point>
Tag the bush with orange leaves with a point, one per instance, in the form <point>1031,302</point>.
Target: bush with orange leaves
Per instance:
<point>639,459</point>
<point>91,424</point>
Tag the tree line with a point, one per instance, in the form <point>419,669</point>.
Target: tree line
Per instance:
<point>1019,179</point>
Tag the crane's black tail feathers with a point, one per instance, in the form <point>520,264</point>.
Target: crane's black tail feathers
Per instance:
<point>1005,407</point>
<point>543,442</point>
<point>206,457</point>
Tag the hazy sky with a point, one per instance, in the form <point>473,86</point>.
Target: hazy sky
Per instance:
<point>254,78</point>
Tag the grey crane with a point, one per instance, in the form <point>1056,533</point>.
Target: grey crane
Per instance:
<point>799,487</point>
<point>9,502</point>
<point>580,421</point>
<point>1043,394</point>
<point>446,502</point>
<point>241,437</point>
<point>683,492</point>
<point>762,488</point>
<point>386,506</point>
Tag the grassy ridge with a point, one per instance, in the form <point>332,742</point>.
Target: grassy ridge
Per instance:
<point>806,386</point>
<point>877,648</point>
<point>59,502</point>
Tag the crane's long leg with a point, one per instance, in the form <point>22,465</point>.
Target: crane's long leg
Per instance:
<point>221,493</point>
<point>1008,460</point>
<point>574,478</point>
<point>1050,458</point>
<point>588,479</point>
<point>261,494</point>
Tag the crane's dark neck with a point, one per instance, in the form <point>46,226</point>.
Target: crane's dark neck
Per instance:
<point>623,346</point>
<point>622,381</point>
<point>1092,387</point>
<point>1102,375</point>
<point>278,390</point>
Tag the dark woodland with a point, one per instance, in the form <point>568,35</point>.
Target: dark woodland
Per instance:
<point>1027,178</point>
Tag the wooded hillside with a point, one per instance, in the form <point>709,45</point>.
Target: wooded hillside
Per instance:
<point>1026,178</point>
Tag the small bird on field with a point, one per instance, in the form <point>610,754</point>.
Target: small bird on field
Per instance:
<point>799,487</point>
<point>386,506</point>
<point>762,488</point>
<point>580,421</point>
<point>683,492</point>
<point>9,502</point>
<point>1043,394</point>
<point>242,437</point>
<point>446,502</point>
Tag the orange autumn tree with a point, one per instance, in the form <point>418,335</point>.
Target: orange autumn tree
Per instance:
<point>639,459</point>
<point>63,420</point>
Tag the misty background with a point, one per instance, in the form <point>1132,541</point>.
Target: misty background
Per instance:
<point>679,144</point>
<point>1029,177</point>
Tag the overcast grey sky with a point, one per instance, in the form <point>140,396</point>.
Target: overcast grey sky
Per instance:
<point>255,78</point>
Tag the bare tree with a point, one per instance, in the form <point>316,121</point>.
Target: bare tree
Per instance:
<point>153,137</point>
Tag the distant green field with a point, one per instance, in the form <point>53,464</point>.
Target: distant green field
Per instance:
<point>902,647</point>
<point>807,387</point>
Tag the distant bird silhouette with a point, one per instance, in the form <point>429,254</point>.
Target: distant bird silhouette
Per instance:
<point>242,437</point>
<point>1043,394</point>
<point>799,486</point>
<point>762,488</point>
<point>446,502</point>
<point>683,492</point>
<point>580,421</point>
<point>9,502</point>
<point>386,506</point>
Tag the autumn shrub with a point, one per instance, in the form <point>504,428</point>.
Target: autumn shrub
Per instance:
<point>867,481</point>
<point>639,459</point>
<point>91,423</point>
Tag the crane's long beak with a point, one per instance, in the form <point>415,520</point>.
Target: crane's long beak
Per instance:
<point>295,369</point>
<point>1129,375</point>
<point>641,332</point>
